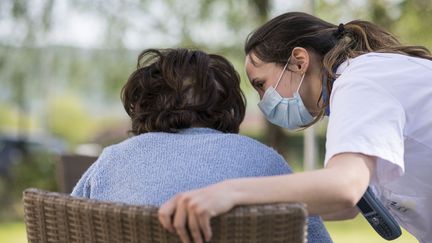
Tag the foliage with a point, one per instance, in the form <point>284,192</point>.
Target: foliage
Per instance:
<point>9,120</point>
<point>69,119</point>
<point>413,22</point>
<point>35,169</point>
<point>358,230</point>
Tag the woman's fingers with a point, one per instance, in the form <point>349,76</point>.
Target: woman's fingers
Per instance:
<point>194,209</point>
<point>194,226</point>
<point>166,213</point>
<point>204,223</point>
<point>199,218</point>
<point>180,219</point>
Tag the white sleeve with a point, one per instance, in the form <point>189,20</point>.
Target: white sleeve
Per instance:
<point>367,119</point>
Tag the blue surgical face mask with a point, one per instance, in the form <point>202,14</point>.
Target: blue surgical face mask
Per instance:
<point>289,113</point>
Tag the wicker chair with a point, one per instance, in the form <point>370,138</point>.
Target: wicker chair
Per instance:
<point>57,217</point>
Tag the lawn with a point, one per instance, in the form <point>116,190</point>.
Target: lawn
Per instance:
<point>13,232</point>
<point>354,231</point>
<point>359,231</point>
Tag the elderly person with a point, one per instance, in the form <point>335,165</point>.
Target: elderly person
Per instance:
<point>186,107</point>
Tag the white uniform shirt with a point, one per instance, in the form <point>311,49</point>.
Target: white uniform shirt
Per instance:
<point>381,105</point>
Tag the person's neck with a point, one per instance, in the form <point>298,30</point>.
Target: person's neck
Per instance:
<point>311,93</point>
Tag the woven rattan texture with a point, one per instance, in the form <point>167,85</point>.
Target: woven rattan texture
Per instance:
<point>57,217</point>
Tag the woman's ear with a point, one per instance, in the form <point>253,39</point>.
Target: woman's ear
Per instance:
<point>299,60</point>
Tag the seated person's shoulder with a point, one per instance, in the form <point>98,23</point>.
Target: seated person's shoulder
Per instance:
<point>254,150</point>
<point>252,143</point>
<point>130,144</point>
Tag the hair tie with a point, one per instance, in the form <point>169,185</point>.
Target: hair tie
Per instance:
<point>340,31</point>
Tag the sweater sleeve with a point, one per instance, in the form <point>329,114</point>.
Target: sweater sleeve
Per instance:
<point>274,163</point>
<point>84,186</point>
<point>266,160</point>
<point>279,165</point>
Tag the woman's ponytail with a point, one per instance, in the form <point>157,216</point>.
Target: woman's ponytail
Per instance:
<point>359,37</point>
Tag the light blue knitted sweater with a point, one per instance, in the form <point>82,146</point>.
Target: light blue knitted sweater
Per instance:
<point>151,168</point>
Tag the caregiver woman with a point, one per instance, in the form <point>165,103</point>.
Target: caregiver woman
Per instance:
<point>379,131</point>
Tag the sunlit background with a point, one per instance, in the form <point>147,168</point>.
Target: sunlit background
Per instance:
<point>63,63</point>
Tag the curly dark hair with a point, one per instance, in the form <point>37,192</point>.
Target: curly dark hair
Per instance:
<point>174,89</point>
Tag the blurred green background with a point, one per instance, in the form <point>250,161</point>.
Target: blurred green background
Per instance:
<point>63,63</point>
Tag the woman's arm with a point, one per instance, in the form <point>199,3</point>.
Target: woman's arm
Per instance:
<point>337,187</point>
<point>344,214</point>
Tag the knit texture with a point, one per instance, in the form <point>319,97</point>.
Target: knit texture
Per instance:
<point>151,168</point>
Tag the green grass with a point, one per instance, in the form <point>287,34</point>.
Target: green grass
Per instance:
<point>358,230</point>
<point>12,232</point>
<point>352,231</point>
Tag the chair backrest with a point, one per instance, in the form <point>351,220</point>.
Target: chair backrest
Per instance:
<point>70,168</point>
<point>57,217</point>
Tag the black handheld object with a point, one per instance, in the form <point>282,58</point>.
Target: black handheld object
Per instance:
<point>378,216</point>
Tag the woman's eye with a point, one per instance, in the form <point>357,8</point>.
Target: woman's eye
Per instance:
<point>259,85</point>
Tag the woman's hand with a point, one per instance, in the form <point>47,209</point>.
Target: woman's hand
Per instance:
<point>192,210</point>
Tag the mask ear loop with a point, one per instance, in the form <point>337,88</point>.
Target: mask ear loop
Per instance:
<point>301,81</point>
<point>283,70</point>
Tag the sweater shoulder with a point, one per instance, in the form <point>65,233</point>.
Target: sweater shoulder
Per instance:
<point>253,143</point>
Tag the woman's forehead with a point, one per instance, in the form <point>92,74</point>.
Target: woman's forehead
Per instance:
<point>251,70</point>
<point>254,60</point>
<point>256,68</point>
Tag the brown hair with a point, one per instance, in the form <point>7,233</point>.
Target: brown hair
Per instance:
<point>275,40</point>
<point>174,89</point>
